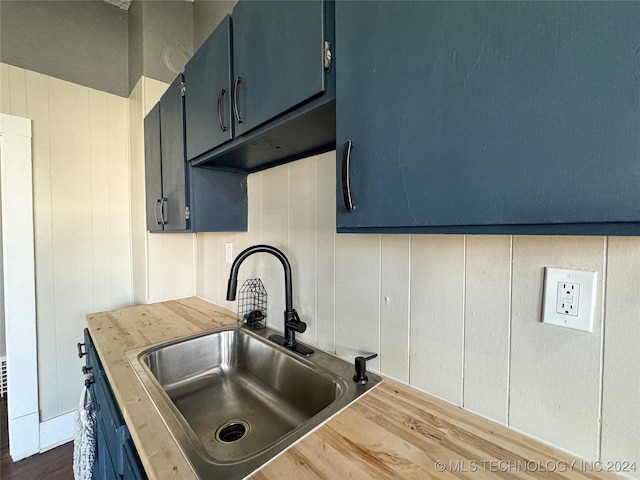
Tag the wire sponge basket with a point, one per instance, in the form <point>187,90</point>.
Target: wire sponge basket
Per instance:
<point>252,304</point>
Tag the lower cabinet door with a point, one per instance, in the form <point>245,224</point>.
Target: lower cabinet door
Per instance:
<point>153,169</point>
<point>132,468</point>
<point>116,455</point>
<point>110,421</point>
<point>104,468</point>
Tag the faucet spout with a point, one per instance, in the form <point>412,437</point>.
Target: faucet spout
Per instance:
<point>292,322</point>
<point>232,285</point>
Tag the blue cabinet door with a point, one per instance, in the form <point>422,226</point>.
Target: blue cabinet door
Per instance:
<point>277,58</point>
<point>181,198</point>
<point>132,469</point>
<point>116,455</point>
<point>467,114</point>
<point>152,169</point>
<point>104,468</point>
<point>174,165</point>
<point>208,93</point>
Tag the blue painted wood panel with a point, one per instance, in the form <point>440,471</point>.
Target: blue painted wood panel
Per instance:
<point>116,454</point>
<point>277,53</point>
<point>174,165</point>
<point>218,200</point>
<point>152,168</point>
<point>133,469</point>
<point>489,113</point>
<point>208,93</point>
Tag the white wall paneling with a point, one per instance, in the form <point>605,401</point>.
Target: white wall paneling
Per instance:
<point>171,266</point>
<point>357,293</point>
<point>487,326</point>
<point>621,387</point>
<point>325,249</point>
<point>555,371</point>
<point>302,241</point>
<point>56,431</point>
<point>82,234</point>
<point>275,231</point>
<point>38,87</point>
<point>437,315</point>
<point>207,267</point>
<point>395,274</point>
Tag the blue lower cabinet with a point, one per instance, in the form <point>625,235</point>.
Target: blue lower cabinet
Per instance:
<point>132,468</point>
<point>110,421</point>
<point>104,468</point>
<point>116,455</point>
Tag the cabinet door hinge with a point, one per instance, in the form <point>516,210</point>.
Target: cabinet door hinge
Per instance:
<point>187,213</point>
<point>326,54</point>
<point>183,88</point>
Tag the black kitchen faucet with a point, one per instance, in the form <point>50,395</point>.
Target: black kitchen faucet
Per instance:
<point>292,322</point>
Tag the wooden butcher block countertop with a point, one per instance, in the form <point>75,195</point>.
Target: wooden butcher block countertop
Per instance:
<point>392,432</point>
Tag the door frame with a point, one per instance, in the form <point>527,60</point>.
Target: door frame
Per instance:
<point>18,276</point>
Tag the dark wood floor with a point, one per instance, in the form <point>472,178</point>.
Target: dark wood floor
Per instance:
<point>56,464</point>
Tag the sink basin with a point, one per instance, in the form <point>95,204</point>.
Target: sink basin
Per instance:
<point>233,400</point>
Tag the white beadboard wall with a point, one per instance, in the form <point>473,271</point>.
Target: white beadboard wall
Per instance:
<point>456,316</point>
<point>81,217</point>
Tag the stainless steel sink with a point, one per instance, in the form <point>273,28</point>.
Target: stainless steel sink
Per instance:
<point>233,400</point>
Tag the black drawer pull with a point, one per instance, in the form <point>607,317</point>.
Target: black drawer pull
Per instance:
<point>89,381</point>
<point>346,176</point>
<point>220,122</point>
<point>86,370</point>
<point>236,111</point>
<point>80,352</point>
<point>155,211</point>
<point>162,204</point>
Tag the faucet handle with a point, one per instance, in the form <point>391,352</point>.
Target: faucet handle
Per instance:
<point>361,368</point>
<point>295,323</point>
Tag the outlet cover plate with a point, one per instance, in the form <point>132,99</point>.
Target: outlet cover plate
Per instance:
<point>569,298</point>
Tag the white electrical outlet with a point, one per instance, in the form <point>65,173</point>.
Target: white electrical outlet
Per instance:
<point>569,298</point>
<point>228,252</point>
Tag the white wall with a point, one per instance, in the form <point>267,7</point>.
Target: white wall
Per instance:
<point>456,316</point>
<point>81,218</point>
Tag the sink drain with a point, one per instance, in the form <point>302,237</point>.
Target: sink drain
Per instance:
<point>232,431</point>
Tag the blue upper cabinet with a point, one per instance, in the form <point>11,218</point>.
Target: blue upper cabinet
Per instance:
<point>277,58</point>
<point>173,207</point>
<point>261,89</point>
<point>208,93</point>
<point>181,198</point>
<point>153,169</point>
<point>495,117</point>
